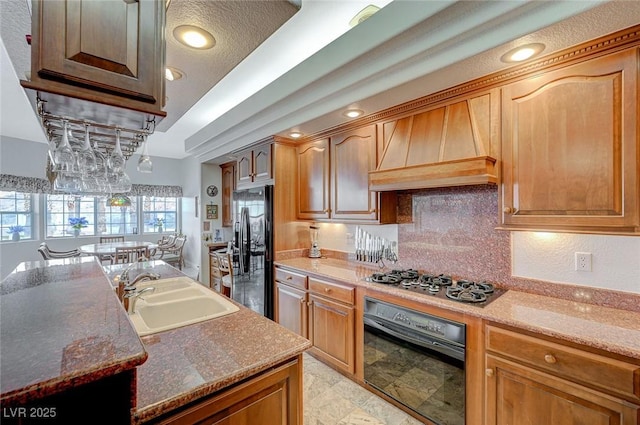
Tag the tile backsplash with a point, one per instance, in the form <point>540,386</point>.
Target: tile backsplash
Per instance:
<point>452,231</point>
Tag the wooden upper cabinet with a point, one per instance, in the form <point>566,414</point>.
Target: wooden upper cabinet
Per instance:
<point>313,175</point>
<point>570,148</point>
<point>353,155</point>
<point>228,186</point>
<point>262,163</point>
<point>255,165</point>
<point>334,179</point>
<point>112,52</point>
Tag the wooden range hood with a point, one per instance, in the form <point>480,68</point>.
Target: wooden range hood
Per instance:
<point>454,144</point>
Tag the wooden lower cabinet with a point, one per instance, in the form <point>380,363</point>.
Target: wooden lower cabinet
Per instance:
<point>530,380</point>
<point>331,329</point>
<point>321,311</point>
<point>521,395</point>
<point>292,309</point>
<point>272,398</point>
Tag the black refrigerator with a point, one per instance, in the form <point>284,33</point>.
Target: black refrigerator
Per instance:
<point>253,259</point>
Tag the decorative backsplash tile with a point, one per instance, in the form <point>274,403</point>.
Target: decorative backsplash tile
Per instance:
<point>452,231</point>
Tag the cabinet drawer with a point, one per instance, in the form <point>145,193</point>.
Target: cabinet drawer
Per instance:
<point>573,364</point>
<point>332,290</point>
<point>291,278</point>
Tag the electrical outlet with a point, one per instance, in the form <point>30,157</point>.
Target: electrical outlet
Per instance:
<point>583,261</point>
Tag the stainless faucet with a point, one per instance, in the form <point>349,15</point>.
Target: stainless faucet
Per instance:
<point>131,296</point>
<point>123,280</point>
<point>124,276</point>
<point>144,276</point>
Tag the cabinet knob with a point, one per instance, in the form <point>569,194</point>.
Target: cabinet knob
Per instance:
<point>289,277</point>
<point>508,210</point>
<point>301,300</point>
<point>488,372</point>
<point>549,358</point>
<point>327,290</point>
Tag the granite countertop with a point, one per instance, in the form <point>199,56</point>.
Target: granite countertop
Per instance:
<point>62,326</point>
<point>609,329</point>
<point>187,363</point>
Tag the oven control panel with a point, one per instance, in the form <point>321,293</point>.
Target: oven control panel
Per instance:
<point>416,320</point>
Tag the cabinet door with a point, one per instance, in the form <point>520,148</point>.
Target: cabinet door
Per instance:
<point>291,311</point>
<point>228,185</point>
<point>272,398</point>
<point>245,167</point>
<point>116,47</point>
<point>353,155</point>
<point>332,332</point>
<point>262,163</point>
<point>570,147</point>
<point>519,395</point>
<point>313,183</point>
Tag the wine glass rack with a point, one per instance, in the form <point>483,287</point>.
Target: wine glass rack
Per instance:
<point>103,134</point>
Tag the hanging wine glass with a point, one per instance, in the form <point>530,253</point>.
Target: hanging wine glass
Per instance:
<point>144,162</point>
<point>64,158</point>
<point>116,159</point>
<point>86,157</point>
<point>100,172</point>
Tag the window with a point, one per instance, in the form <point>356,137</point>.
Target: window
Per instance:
<point>159,214</point>
<point>60,208</point>
<point>106,220</point>
<point>16,209</point>
<point>117,220</point>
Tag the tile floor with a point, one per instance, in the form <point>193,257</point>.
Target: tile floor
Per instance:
<point>332,399</point>
<point>329,397</point>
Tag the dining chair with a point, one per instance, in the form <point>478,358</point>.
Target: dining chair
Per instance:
<point>110,239</point>
<point>130,254</point>
<point>215,275</point>
<point>166,241</point>
<point>225,261</point>
<point>173,254</point>
<point>49,254</point>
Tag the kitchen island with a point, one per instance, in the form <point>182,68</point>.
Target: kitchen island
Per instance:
<point>49,306</point>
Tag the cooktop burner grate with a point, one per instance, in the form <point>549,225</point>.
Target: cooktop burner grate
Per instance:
<point>441,285</point>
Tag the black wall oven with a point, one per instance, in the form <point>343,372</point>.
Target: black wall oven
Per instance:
<point>416,359</point>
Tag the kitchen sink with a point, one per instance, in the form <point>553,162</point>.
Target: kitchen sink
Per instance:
<point>177,302</point>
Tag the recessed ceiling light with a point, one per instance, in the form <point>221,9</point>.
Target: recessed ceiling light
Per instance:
<point>522,53</point>
<point>353,113</point>
<point>172,74</point>
<point>193,36</point>
<point>363,15</point>
<point>295,134</point>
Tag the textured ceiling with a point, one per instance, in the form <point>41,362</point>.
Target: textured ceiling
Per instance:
<point>239,27</point>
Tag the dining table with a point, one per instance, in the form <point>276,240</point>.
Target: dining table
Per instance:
<point>103,250</point>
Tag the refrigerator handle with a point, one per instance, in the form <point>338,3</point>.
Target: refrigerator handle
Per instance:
<point>245,240</point>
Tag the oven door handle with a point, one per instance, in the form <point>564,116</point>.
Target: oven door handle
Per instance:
<point>455,352</point>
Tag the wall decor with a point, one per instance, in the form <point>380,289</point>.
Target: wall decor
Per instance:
<point>212,212</point>
<point>197,206</point>
<point>212,190</point>
<point>206,226</point>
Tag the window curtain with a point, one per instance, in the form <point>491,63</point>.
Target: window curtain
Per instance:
<point>11,183</point>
